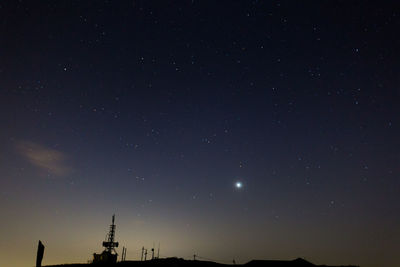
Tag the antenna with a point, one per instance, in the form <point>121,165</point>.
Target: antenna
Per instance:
<point>110,245</point>
<point>109,255</point>
<point>158,252</point>
<point>123,257</point>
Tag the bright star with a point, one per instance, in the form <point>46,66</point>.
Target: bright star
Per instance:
<point>238,185</point>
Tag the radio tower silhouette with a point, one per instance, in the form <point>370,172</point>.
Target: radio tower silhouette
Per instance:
<point>109,255</point>
<point>110,245</point>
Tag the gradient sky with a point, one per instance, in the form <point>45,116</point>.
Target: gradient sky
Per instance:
<point>153,110</point>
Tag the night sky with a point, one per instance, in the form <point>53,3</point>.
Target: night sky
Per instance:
<point>155,110</point>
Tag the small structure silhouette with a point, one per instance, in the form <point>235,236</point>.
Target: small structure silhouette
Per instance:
<point>40,252</point>
<point>109,255</point>
<point>123,256</point>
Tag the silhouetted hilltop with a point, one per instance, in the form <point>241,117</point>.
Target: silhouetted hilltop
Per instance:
<point>297,262</point>
<point>175,262</point>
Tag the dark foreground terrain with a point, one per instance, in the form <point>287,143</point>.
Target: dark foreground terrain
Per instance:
<point>175,262</point>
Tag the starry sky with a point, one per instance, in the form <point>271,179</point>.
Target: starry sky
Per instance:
<point>226,129</point>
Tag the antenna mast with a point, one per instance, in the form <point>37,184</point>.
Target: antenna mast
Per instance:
<point>109,255</point>
<point>110,245</point>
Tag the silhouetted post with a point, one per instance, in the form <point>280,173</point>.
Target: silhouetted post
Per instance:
<point>234,262</point>
<point>194,257</point>
<point>123,257</point>
<point>158,252</point>
<point>152,253</point>
<point>145,254</point>
<point>141,259</point>
<point>39,255</point>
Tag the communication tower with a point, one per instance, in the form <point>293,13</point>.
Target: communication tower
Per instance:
<point>109,255</point>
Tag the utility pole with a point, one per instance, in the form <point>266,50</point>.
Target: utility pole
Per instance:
<point>145,254</point>
<point>141,259</point>
<point>158,252</point>
<point>194,257</point>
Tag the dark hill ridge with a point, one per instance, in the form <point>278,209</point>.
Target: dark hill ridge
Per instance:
<point>297,262</point>
<point>175,262</point>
